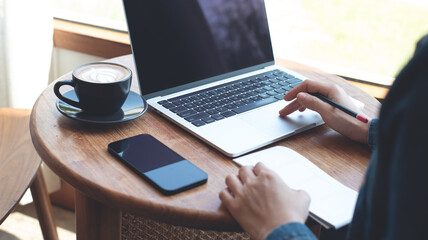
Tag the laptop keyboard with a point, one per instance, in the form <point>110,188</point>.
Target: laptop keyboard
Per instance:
<point>216,103</point>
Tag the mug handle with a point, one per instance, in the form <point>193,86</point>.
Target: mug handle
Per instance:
<point>58,85</point>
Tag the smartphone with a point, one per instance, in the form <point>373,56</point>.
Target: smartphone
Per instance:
<point>163,168</point>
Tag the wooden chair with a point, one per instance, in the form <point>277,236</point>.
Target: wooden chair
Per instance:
<point>20,169</point>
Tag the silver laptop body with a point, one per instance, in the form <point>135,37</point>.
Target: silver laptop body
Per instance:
<point>183,47</point>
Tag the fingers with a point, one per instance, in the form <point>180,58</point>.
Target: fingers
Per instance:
<point>246,173</point>
<point>290,108</point>
<point>234,184</point>
<point>226,197</point>
<point>303,101</point>
<point>312,87</point>
<point>259,168</point>
<point>311,102</point>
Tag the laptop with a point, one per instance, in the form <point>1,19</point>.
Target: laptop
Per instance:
<point>208,66</point>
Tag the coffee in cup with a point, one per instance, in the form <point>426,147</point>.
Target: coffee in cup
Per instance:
<point>101,87</point>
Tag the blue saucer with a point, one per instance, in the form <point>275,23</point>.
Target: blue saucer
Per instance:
<point>133,107</point>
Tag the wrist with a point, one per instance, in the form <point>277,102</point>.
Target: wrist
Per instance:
<point>360,131</point>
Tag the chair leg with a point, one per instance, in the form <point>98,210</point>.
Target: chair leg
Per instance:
<point>43,207</point>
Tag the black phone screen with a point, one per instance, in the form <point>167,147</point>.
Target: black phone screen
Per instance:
<point>165,169</point>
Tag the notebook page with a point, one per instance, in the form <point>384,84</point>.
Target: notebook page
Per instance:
<point>332,203</point>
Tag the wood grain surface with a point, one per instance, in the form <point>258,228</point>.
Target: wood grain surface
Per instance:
<point>19,161</point>
<point>77,152</point>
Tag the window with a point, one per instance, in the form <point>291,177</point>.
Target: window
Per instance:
<point>363,39</point>
<point>103,13</point>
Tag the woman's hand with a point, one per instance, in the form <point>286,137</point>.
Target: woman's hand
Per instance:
<point>260,201</point>
<point>333,117</point>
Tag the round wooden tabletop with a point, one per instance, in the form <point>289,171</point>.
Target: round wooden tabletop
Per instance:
<point>18,160</point>
<point>77,152</point>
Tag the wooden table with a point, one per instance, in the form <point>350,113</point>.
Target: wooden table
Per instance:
<point>78,153</point>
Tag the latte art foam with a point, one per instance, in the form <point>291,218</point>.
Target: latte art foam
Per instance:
<point>102,73</point>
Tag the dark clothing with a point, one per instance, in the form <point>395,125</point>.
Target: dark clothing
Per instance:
<point>291,231</point>
<point>393,201</point>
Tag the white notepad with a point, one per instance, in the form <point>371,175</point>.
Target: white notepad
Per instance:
<point>332,203</point>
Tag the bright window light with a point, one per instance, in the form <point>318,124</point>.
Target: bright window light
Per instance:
<point>364,39</point>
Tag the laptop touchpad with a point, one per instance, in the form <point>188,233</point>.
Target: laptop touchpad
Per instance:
<point>268,120</point>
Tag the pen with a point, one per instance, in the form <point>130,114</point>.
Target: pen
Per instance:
<point>344,109</point>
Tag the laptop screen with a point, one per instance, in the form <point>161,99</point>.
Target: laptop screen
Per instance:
<point>177,42</point>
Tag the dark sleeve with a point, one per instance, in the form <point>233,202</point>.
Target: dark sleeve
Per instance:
<point>392,203</point>
<point>291,231</point>
<point>403,154</point>
<point>373,133</point>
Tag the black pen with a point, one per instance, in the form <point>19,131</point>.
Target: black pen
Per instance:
<point>344,109</point>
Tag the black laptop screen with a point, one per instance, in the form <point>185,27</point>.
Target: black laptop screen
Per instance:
<point>177,42</point>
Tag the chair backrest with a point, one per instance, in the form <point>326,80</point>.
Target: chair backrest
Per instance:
<point>19,161</point>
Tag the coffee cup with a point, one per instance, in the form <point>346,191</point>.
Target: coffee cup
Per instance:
<point>100,87</point>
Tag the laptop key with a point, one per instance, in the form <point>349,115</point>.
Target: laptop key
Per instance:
<point>186,100</point>
<point>163,102</point>
<point>247,101</point>
<point>275,86</point>
<point>268,88</point>
<point>217,104</point>
<point>254,105</point>
<point>208,120</point>
<point>287,88</point>
<point>280,96</point>
<point>207,100</point>
<point>212,112</point>
<point>239,103</point>
<point>229,106</point>
<point>253,93</point>
<point>294,84</point>
<point>195,98</point>
<point>186,113</point>
<point>208,106</point>
<point>177,103</point>
<point>228,114</point>
<point>294,80</point>
<point>199,109</point>
<point>190,105</point>
<point>256,98</point>
<point>178,109</point>
<point>198,103</point>
<point>226,101</point>
<point>235,98</point>
<point>264,95</point>
<point>283,83</point>
<point>198,123</point>
<point>245,95</point>
<point>280,91</point>
<point>197,116</point>
<point>221,109</point>
<point>169,105</point>
<point>217,116</point>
